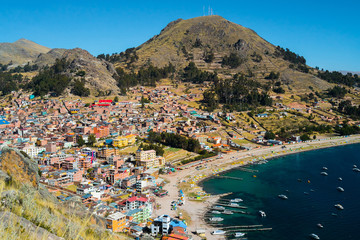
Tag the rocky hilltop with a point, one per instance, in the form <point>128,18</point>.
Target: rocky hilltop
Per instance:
<point>194,40</point>
<point>20,52</point>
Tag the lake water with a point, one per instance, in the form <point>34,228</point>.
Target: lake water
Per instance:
<point>298,216</point>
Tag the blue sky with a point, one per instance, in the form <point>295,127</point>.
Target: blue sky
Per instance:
<point>326,33</point>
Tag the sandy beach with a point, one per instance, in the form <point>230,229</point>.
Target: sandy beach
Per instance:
<point>195,209</point>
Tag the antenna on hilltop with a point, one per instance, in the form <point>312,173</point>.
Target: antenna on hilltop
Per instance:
<point>209,10</point>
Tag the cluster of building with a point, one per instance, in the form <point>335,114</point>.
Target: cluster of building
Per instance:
<point>81,150</point>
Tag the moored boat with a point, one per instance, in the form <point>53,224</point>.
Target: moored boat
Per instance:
<point>262,213</point>
<point>340,179</point>
<point>216,219</point>
<point>236,200</point>
<point>339,206</point>
<point>218,232</point>
<point>227,212</point>
<point>319,225</point>
<point>314,236</point>
<point>324,173</point>
<point>356,169</point>
<point>233,205</point>
<point>239,234</point>
<point>340,189</point>
<point>215,212</point>
<point>219,208</point>
<point>282,196</point>
<point>324,168</point>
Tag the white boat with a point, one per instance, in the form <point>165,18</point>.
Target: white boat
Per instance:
<point>282,196</point>
<point>314,236</point>
<point>236,200</point>
<point>262,213</point>
<point>324,173</point>
<point>219,208</point>
<point>356,170</point>
<point>340,189</point>
<point>233,205</point>
<point>239,234</point>
<point>218,232</point>
<point>325,168</point>
<point>216,219</point>
<point>340,179</point>
<point>319,225</point>
<point>354,166</point>
<point>215,212</point>
<point>339,206</point>
<point>227,212</point>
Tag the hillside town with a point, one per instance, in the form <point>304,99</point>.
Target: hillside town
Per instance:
<point>92,151</point>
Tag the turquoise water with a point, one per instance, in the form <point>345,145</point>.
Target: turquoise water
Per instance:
<point>298,216</point>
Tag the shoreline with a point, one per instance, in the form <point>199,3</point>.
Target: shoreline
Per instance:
<point>195,177</point>
<point>269,158</point>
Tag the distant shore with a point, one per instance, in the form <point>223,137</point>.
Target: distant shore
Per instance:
<point>196,209</point>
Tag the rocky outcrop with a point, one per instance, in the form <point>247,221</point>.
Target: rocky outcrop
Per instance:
<point>19,167</point>
<point>98,73</point>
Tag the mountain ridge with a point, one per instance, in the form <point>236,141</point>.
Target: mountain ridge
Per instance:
<point>21,51</point>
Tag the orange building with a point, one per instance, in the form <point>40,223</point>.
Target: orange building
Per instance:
<point>116,222</point>
<point>102,131</point>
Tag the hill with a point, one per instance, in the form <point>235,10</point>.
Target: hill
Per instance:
<point>206,41</point>
<point>20,52</point>
<point>29,211</point>
<point>78,64</point>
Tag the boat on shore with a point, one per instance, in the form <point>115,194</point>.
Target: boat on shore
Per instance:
<point>282,196</point>
<point>262,213</point>
<point>218,232</point>
<point>324,173</point>
<point>314,236</point>
<point>239,234</point>
<point>216,219</point>
<point>340,189</point>
<point>339,206</point>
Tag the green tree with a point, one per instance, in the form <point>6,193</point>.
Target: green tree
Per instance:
<point>269,135</point>
<point>116,99</point>
<point>79,89</point>
<point>232,61</point>
<point>80,141</point>
<point>305,137</point>
<point>91,140</point>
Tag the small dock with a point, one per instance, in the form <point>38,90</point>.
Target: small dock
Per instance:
<point>229,177</point>
<point>250,229</point>
<point>243,226</point>
<point>247,169</point>
<point>227,205</point>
